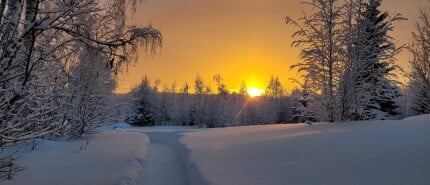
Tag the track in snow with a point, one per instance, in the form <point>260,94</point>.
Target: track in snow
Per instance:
<point>164,164</point>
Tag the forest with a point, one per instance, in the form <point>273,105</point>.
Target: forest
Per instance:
<point>60,59</point>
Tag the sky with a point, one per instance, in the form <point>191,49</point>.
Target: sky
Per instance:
<point>242,40</point>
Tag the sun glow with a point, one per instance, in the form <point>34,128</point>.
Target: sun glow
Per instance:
<point>254,92</point>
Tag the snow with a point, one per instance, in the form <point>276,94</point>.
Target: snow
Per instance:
<point>425,117</point>
<point>165,163</point>
<point>379,152</point>
<point>110,158</point>
<point>119,125</point>
<point>167,158</point>
<point>165,166</point>
<point>366,152</point>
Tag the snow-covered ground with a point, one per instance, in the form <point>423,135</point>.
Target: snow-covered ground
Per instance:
<point>425,117</point>
<point>377,152</point>
<point>110,158</point>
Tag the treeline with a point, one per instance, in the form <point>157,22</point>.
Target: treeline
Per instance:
<point>198,104</point>
<point>178,106</point>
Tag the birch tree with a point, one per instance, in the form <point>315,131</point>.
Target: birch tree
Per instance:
<point>40,37</point>
<point>318,36</point>
<point>40,41</point>
<point>419,85</point>
<point>274,92</point>
<point>90,86</point>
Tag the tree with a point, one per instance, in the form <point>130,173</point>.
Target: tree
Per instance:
<point>374,65</point>
<point>274,90</point>
<point>184,101</point>
<point>163,109</point>
<point>196,111</point>
<point>220,106</point>
<point>304,109</point>
<point>243,88</point>
<point>275,93</point>
<point>419,77</point>
<point>319,34</point>
<point>222,88</point>
<point>37,51</point>
<point>142,104</point>
<point>351,30</point>
<point>89,89</point>
<point>40,41</point>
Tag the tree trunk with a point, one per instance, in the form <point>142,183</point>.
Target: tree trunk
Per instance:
<point>2,7</point>
<point>331,63</point>
<point>10,24</point>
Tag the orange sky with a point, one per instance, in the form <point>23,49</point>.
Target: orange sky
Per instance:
<point>239,39</point>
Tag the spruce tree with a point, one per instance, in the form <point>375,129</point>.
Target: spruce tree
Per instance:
<point>375,65</point>
<point>143,107</point>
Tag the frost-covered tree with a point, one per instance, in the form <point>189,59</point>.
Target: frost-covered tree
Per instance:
<point>197,110</point>
<point>274,89</point>
<point>319,36</point>
<point>184,107</point>
<point>375,89</point>
<point>419,85</point>
<point>143,106</point>
<point>221,105</point>
<point>243,90</point>
<point>90,86</point>
<point>40,40</point>
<point>274,92</point>
<point>350,31</point>
<point>304,107</point>
<point>221,87</point>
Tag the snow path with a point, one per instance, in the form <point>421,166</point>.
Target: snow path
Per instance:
<point>168,159</point>
<point>164,164</point>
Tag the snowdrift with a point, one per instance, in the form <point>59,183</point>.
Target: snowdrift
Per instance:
<point>378,152</point>
<point>425,117</point>
<point>110,158</point>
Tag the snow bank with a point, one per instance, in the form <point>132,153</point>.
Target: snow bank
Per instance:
<point>110,158</point>
<point>380,152</point>
<point>168,159</point>
<point>425,117</point>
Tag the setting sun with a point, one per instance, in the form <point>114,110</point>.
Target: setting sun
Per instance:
<point>253,92</point>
